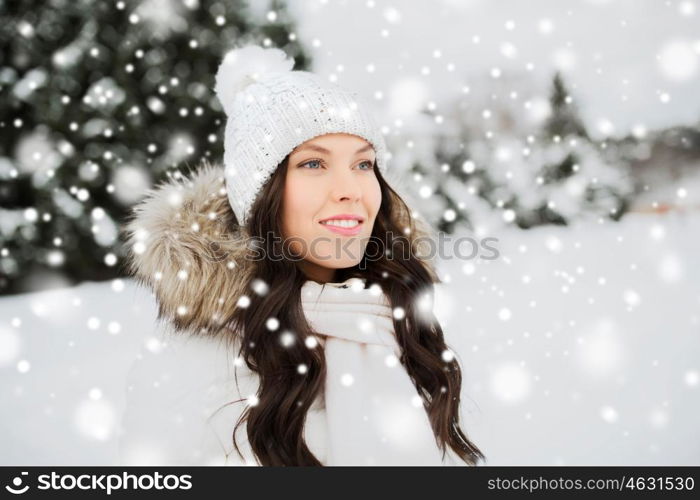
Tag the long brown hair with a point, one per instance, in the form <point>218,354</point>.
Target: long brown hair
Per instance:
<point>275,424</point>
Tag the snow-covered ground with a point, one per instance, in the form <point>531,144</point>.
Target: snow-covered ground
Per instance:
<point>582,345</point>
<point>579,345</point>
<point>64,356</point>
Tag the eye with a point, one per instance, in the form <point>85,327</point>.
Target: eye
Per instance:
<point>370,165</point>
<point>310,162</point>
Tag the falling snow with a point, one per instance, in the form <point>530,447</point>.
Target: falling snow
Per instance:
<point>589,326</point>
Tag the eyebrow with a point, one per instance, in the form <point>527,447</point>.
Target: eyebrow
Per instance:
<point>324,150</point>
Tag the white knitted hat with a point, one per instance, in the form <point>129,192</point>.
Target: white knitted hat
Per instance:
<point>271,110</point>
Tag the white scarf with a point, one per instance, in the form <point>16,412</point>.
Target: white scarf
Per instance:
<point>373,411</point>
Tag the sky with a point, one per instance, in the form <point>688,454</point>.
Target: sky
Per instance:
<point>630,65</point>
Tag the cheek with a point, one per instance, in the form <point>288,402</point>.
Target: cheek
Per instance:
<point>373,198</point>
<point>299,207</point>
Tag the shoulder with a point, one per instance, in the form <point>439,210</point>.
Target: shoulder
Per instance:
<point>177,390</point>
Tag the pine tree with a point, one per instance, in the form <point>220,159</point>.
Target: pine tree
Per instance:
<point>575,177</point>
<point>99,101</point>
<point>563,119</point>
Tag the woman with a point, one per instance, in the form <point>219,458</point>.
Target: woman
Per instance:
<point>294,325</point>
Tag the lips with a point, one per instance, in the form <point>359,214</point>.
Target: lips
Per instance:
<point>344,217</point>
<point>344,231</point>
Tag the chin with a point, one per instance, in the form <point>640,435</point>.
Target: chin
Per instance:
<point>336,263</point>
<point>345,264</point>
<point>337,253</point>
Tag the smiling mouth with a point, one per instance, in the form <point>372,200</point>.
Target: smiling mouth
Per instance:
<point>342,223</point>
<point>350,228</point>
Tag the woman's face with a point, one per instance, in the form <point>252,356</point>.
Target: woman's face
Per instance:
<point>330,175</point>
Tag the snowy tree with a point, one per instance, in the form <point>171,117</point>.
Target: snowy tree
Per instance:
<point>98,101</point>
<point>571,176</point>
<point>497,163</point>
<point>563,119</point>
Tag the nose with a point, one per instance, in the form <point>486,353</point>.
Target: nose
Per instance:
<point>345,186</point>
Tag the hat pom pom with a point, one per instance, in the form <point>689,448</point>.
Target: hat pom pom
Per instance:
<point>243,66</point>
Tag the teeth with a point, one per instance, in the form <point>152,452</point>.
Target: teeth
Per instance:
<point>341,223</point>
